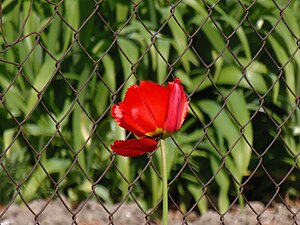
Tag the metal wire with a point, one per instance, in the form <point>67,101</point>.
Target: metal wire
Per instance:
<point>36,151</point>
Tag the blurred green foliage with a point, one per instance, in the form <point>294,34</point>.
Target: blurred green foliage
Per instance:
<point>59,82</point>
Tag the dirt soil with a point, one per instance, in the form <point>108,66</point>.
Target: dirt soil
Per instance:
<point>94,213</point>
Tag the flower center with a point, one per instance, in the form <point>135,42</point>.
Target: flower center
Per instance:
<point>156,133</point>
<point>159,133</point>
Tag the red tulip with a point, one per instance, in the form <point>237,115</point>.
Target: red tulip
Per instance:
<point>151,112</point>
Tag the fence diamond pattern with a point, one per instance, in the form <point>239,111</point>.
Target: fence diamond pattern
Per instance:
<point>64,64</point>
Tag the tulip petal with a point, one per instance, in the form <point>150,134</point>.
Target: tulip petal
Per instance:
<point>134,147</point>
<point>157,97</point>
<point>117,113</point>
<point>145,107</point>
<point>177,109</point>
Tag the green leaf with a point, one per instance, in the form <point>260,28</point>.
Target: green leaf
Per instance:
<point>132,53</point>
<point>72,16</point>
<point>231,75</point>
<point>180,39</point>
<point>228,130</point>
<point>53,43</point>
<point>164,47</point>
<point>103,193</point>
<point>110,73</point>
<point>14,98</point>
<point>240,33</point>
<point>223,181</point>
<point>39,176</point>
<point>242,115</point>
<point>41,80</point>
<point>283,58</point>
<point>78,117</point>
<point>197,193</point>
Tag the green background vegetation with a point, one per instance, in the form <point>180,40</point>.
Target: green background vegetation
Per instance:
<point>63,66</point>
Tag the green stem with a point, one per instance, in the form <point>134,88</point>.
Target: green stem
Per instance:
<point>165,182</point>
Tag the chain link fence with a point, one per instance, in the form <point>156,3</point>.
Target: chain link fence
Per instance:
<point>64,64</point>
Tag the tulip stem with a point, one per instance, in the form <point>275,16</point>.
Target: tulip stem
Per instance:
<point>165,182</point>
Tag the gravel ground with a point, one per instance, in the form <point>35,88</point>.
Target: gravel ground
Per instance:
<point>94,214</point>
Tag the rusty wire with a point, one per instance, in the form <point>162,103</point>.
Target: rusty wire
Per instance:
<point>96,120</point>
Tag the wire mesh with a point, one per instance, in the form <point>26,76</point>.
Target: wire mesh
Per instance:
<point>64,64</point>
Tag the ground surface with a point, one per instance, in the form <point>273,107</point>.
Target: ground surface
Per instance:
<point>93,213</point>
